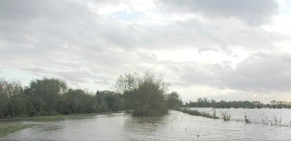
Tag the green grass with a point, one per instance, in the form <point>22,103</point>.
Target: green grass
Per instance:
<point>55,117</point>
<point>11,125</point>
<point>7,128</point>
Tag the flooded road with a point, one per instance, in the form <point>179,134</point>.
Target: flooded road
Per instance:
<point>174,126</point>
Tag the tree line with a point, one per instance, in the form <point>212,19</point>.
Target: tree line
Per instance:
<point>146,95</point>
<point>205,103</point>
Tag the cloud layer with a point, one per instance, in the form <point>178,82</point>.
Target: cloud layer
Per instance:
<point>259,72</point>
<point>252,12</point>
<point>221,45</point>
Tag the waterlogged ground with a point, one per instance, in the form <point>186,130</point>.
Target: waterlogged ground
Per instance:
<point>256,115</point>
<point>174,126</point>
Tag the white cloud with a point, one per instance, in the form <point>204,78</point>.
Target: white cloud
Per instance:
<point>281,24</point>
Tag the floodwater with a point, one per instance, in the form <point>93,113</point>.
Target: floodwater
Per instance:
<point>174,126</point>
<point>254,114</point>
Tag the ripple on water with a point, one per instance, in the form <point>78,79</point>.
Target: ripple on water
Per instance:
<point>174,126</point>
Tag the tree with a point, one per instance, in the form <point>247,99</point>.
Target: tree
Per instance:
<point>49,91</point>
<point>174,101</point>
<point>146,93</point>
<point>109,100</point>
<point>9,90</point>
<point>100,101</point>
<point>76,101</point>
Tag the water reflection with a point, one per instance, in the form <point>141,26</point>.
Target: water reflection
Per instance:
<point>144,126</point>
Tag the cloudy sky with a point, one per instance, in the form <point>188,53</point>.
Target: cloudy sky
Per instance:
<point>219,49</point>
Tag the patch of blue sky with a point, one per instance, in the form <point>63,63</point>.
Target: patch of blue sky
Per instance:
<point>24,77</point>
<point>286,8</point>
<point>127,16</point>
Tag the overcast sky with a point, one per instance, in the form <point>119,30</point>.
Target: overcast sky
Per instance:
<point>219,49</point>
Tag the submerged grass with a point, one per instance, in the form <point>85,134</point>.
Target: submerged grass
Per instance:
<point>227,117</point>
<point>7,128</point>
<point>202,113</point>
<point>247,119</point>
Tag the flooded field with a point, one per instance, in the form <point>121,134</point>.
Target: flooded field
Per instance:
<point>255,115</point>
<point>174,126</point>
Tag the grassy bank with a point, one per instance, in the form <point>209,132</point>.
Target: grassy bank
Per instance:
<point>56,117</point>
<point>10,125</point>
<point>7,128</point>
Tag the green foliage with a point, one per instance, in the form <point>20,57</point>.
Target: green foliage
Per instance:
<point>109,101</point>
<point>174,101</point>
<point>49,91</point>
<point>34,106</point>
<point>75,102</point>
<point>10,91</point>
<point>146,93</point>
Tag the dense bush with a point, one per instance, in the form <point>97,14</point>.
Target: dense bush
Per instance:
<point>50,97</point>
<point>146,95</point>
